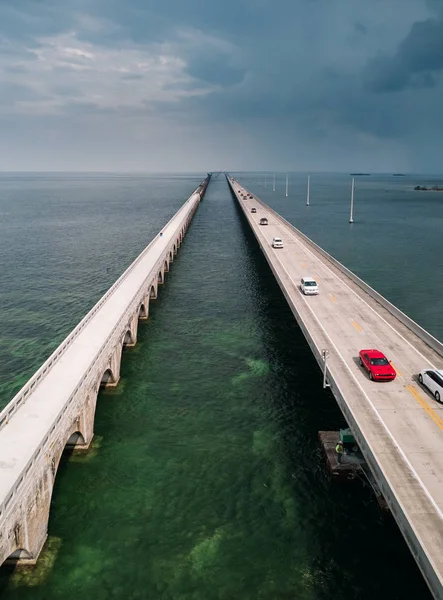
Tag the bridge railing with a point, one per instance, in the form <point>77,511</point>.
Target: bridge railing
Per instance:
<point>424,335</point>
<point>29,387</point>
<point>130,308</point>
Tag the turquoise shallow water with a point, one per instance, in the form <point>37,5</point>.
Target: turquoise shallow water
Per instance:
<point>205,479</point>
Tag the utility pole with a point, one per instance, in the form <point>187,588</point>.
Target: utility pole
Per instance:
<point>351,216</point>
<point>325,354</point>
<point>287,185</point>
<point>273,189</point>
<point>309,190</point>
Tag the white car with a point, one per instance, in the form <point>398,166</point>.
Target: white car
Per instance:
<point>308,286</point>
<point>433,380</point>
<point>277,242</point>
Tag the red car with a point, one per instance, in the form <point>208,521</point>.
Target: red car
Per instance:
<point>377,365</point>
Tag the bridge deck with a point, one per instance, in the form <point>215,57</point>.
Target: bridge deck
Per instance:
<point>401,423</point>
<point>25,430</point>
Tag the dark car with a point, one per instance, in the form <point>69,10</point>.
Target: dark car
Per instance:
<point>253,210</point>
<point>263,221</point>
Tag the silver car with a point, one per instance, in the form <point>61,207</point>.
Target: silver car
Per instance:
<point>277,242</point>
<point>433,380</point>
<point>308,286</point>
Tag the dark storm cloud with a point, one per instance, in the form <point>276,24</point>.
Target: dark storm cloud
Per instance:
<point>418,58</point>
<point>306,77</point>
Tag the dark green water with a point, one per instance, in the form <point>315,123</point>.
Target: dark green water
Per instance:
<point>205,479</point>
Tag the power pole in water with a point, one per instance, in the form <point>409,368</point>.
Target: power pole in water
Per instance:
<point>265,181</point>
<point>273,189</point>
<point>309,190</point>
<point>287,186</point>
<point>351,216</point>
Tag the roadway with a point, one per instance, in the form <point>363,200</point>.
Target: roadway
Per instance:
<point>23,432</point>
<point>402,425</point>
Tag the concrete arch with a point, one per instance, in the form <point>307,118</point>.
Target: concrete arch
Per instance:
<point>160,277</point>
<point>171,256</point>
<point>143,309</point>
<point>107,377</point>
<point>111,374</point>
<point>128,340</point>
<point>166,266</point>
<point>175,248</point>
<point>19,555</point>
<point>28,530</point>
<point>76,440</point>
<point>82,428</point>
<point>153,292</point>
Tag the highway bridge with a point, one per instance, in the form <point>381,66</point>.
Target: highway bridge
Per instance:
<point>55,409</point>
<point>398,425</point>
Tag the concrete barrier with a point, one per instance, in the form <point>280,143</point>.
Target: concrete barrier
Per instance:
<point>424,335</point>
<point>7,412</point>
<point>354,418</point>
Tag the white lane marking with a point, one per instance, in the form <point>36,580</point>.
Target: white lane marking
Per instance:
<point>364,301</point>
<point>414,472</point>
<point>405,458</point>
<point>305,247</point>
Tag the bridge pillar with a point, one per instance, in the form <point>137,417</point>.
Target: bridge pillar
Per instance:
<point>24,534</point>
<point>143,311</point>
<point>130,338</point>
<point>24,513</point>
<point>111,375</point>
<point>83,426</point>
<point>153,290</point>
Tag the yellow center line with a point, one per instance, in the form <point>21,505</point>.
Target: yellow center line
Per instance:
<point>332,297</point>
<point>357,326</point>
<point>396,370</point>
<point>303,265</point>
<point>419,398</point>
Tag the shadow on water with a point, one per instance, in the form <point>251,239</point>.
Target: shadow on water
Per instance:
<point>350,537</point>
<point>205,479</point>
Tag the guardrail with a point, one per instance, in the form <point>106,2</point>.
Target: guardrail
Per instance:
<point>132,304</point>
<point>413,539</point>
<point>424,335</point>
<point>21,396</point>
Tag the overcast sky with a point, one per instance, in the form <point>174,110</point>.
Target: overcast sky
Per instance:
<point>179,85</point>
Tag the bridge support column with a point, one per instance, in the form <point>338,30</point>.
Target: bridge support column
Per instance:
<point>153,291</point>
<point>83,427</point>
<point>111,376</point>
<point>143,312</point>
<point>130,338</point>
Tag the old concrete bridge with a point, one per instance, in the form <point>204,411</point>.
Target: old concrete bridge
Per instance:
<point>56,408</point>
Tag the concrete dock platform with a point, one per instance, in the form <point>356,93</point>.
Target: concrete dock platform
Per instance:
<point>350,465</point>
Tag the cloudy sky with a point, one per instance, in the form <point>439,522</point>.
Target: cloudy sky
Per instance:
<point>165,85</point>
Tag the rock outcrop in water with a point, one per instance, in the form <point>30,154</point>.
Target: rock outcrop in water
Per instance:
<point>423,188</point>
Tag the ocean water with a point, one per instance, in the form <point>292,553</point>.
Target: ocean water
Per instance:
<point>395,243</point>
<point>205,480</point>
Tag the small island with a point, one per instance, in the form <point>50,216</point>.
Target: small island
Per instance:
<point>423,188</point>
<point>398,175</point>
<point>360,174</point>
